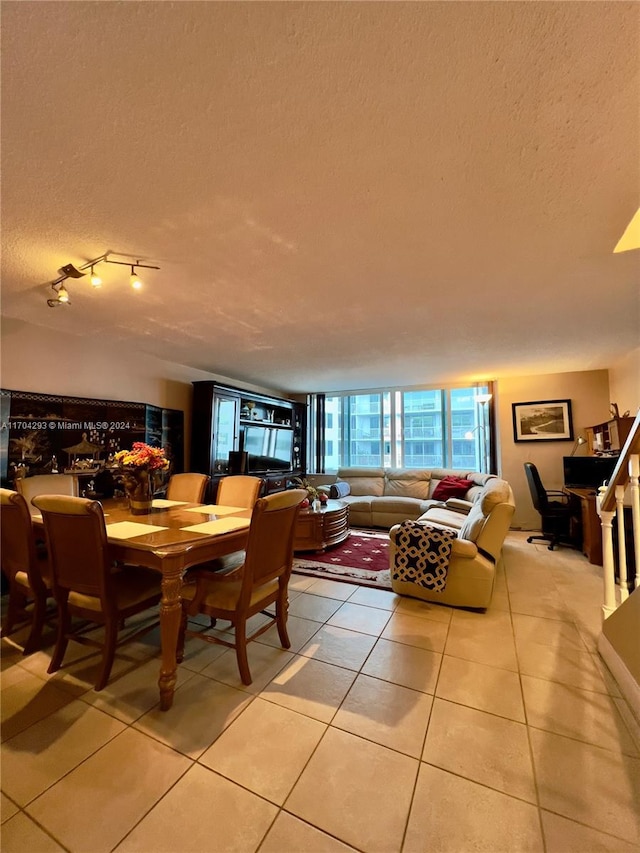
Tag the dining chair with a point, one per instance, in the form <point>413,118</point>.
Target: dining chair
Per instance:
<point>261,580</point>
<point>46,484</point>
<point>26,571</point>
<point>238,490</point>
<point>85,583</point>
<point>187,487</point>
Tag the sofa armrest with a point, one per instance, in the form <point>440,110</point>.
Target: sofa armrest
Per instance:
<point>464,548</point>
<point>459,505</point>
<point>323,490</point>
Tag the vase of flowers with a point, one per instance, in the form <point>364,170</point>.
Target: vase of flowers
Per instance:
<point>139,467</point>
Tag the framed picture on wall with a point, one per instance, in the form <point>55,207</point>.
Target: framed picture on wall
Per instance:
<point>544,420</point>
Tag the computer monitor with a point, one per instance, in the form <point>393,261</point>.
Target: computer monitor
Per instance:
<point>587,472</point>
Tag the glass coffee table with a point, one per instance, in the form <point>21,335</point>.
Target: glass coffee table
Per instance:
<point>320,529</point>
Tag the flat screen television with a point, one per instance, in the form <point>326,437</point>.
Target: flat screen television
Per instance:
<point>587,472</point>
<point>268,448</point>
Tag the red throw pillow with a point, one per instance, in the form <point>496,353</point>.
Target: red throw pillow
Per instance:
<point>451,487</point>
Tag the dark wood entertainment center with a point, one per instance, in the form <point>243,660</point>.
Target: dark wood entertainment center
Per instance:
<point>228,424</point>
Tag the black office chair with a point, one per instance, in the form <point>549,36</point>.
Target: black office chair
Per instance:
<point>556,511</point>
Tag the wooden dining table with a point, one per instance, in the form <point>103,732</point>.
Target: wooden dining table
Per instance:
<point>177,536</point>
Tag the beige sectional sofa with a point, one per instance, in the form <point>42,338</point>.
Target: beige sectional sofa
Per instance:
<point>383,497</point>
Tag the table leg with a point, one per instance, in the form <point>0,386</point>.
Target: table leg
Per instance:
<point>170,613</point>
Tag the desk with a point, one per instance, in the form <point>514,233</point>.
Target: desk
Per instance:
<point>170,552</point>
<point>585,502</point>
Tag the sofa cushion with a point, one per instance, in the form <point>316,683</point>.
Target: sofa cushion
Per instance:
<point>358,503</point>
<point>363,481</point>
<point>339,490</point>
<point>451,487</point>
<point>407,483</point>
<point>398,504</point>
<point>473,523</point>
<point>495,492</point>
<point>439,514</point>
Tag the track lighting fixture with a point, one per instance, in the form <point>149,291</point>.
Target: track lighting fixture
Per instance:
<point>71,271</point>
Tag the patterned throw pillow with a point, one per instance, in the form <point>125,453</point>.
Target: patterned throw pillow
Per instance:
<point>451,487</point>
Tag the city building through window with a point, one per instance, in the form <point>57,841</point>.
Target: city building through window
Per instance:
<point>428,428</point>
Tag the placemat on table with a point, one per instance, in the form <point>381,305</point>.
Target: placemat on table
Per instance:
<point>220,525</point>
<point>129,529</point>
<point>216,509</point>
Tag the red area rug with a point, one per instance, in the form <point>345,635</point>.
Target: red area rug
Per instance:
<point>363,559</point>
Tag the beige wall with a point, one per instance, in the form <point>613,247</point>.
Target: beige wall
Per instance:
<point>589,394</point>
<point>624,382</point>
<point>44,361</point>
<point>41,360</point>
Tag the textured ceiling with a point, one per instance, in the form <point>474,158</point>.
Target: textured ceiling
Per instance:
<point>339,195</point>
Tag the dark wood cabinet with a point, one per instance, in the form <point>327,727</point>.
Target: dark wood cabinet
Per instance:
<point>609,437</point>
<point>40,431</point>
<point>235,431</point>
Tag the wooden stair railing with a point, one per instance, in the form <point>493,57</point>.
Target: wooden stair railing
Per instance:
<point>610,503</point>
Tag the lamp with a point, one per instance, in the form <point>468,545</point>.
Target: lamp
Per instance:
<point>62,296</point>
<point>71,271</point>
<point>134,280</point>
<point>96,281</point>
<point>579,442</point>
<point>483,426</point>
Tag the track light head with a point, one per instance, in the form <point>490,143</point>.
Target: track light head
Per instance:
<point>134,279</point>
<point>96,281</point>
<point>62,296</point>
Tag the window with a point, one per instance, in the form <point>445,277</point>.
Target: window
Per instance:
<point>430,428</point>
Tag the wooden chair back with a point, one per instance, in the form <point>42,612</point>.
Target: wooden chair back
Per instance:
<point>261,581</point>
<point>187,487</point>
<point>84,583</point>
<point>46,484</point>
<point>269,553</point>
<point>17,540</point>
<point>26,570</point>
<point>77,545</point>
<point>239,490</point>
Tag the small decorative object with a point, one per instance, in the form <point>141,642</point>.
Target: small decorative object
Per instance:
<point>317,505</point>
<point>323,498</point>
<point>301,483</point>
<point>139,467</point>
<point>614,411</point>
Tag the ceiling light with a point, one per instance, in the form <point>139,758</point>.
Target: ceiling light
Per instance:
<point>96,281</point>
<point>134,279</point>
<point>71,271</point>
<point>61,298</point>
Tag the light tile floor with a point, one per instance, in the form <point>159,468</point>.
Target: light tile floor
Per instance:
<point>390,725</point>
